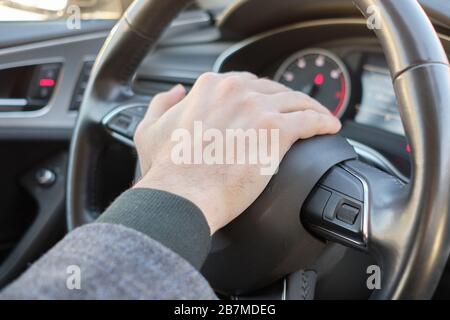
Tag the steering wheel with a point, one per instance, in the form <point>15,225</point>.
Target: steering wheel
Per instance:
<point>406,227</point>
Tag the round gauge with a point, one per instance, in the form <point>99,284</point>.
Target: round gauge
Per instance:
<point>321,75</point>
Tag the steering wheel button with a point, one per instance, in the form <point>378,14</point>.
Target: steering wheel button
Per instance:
<point>140,111</point>
<point>121,123</point>
<point>315,204</point>
<point>329,212</point>
<point>339,179</point>
<point>347,214</point>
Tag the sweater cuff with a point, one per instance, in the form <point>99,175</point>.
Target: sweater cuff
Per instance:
<point>173,221</point>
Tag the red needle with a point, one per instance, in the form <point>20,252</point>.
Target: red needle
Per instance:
<point>319,79</point>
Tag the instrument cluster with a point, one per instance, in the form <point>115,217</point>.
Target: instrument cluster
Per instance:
<point>325,76</point>
<point>356,86</point>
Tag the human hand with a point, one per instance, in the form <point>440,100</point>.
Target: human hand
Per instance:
<point>225,103</point>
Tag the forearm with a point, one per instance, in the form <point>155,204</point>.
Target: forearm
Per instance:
<point>139,249</point>
<point>171,220</point>
<point>108,261</point>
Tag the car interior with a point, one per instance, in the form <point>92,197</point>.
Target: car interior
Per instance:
<point>73,92</point>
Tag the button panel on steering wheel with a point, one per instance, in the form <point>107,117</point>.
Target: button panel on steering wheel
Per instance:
<point>123,121</point>
<point>335,208</point>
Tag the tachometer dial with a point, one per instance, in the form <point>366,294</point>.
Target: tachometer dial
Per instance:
<point>321,75</point>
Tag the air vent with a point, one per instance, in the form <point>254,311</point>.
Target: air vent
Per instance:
<point>81,86</point>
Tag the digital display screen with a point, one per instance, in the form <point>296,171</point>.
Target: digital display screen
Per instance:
<point>379,105</point>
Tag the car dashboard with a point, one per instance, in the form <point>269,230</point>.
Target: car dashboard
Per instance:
<point>355,84</point>
<point>335,59</point>
<point>340,63</point>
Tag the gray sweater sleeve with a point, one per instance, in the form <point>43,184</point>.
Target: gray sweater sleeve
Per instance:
<point>147,245</point>
<point>169,219</point>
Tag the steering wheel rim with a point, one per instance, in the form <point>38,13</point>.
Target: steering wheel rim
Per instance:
<point>412,239</point>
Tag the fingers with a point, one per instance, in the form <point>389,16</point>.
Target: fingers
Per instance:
<point>308,123</point>
<point>267,86</point>
<point>242,80</point>
<point>210,79</point>
<point>164,101</point>
<point>293,101</point>
<point>244,75</point>
<point>302,116</point>
<point>253,83</point>
<point>274,94</point>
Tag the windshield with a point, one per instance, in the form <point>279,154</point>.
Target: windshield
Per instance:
<point>42,10</point>
<point>215,5</point>
<point>38,10</point>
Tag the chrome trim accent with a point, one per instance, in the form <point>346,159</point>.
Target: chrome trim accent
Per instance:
<point>377,159</point>
<point>366,212</point>
<point>112,114</point>
<point>13,103</point>
<point>53,42</point>
<point>284,293</point>
<point>365,218</point>
<point>369,67</point>
<point>200,18</point>
<point>338,235</point>
<point>122,139</point>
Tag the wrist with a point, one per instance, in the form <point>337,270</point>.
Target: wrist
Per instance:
<point>193,192</point>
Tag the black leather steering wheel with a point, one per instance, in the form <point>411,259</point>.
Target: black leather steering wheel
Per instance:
<point>406,227</point>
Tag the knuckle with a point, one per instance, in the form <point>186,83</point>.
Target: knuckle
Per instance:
<point>269,82</point>
<point>251,100</point>
<point>300,95</point>
<point>242,74</point>
<point>231,84</point>
<point>266,82</point>
<point>206,78</point>
<point>248,74</point>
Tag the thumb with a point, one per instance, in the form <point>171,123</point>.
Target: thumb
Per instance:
<point>164,101</point>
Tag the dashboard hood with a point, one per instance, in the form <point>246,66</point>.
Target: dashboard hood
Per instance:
<point>248,17</point>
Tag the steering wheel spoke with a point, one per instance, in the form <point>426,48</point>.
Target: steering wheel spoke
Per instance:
<point>364,208</point>
<point>352,203</point>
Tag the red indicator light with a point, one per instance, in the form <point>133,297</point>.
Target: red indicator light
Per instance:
<point>319,79</point>
<point>46,83</point>
<point>408,148</point>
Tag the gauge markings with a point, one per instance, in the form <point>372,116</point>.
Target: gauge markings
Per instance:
<point>320,74</point>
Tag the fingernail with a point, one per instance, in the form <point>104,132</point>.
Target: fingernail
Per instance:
<point>178,88</point>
